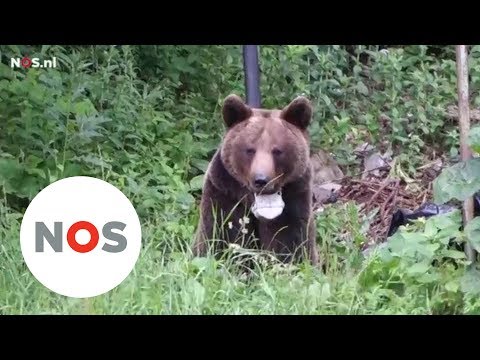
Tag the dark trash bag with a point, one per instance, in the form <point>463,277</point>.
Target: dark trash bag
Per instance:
<point>403,217</point>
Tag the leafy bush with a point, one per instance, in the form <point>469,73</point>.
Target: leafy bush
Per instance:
<point>150,114</point>
<point>461,181</point>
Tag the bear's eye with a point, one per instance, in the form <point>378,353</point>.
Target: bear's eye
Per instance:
<point>277,152</point>
<point>250,151</point>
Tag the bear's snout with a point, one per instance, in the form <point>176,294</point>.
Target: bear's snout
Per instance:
<point>260,180</point>
<point>262,183</point>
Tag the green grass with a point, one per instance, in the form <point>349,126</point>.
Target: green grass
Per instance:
<point>168,280</point>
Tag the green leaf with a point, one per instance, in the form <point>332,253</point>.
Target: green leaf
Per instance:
<point>200,164</point>
<point>430,229</point>
<point>472,231</point>
<point>28,187</point>
<point>9,169</point>
<point>404,244</point>
<point>417,269</point>
<point>195,292</point>
<point>474,138</point>
<point>362,89</point>
<point>196,183</point>
<point>446,235</point>
<point>326,99</point>
<point>454,254</point>
<point>201,263</point>
<point>428,278</point>
<point>185,200</point>
<point>314,290</point>
<point>84,108</point>
<point>470,282</point>
<point>414,238</point>
<point>32,161</point>
<point>93,160</point>
<point>447,222</point>
<point>325,291</point>
<point>33,171</point>
<point>149,203</point>
<point>334,82</point>
<point>428,250</point>
<point>452,286</point>
<point>459,181</point>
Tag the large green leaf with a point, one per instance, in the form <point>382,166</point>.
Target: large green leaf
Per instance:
<point>458,181</point>
<point>470,282</point>
<point>454,254</point>
<point>418,268</point>
<point>472,231</point>
<point>196,183</point>
<point>474,138</point>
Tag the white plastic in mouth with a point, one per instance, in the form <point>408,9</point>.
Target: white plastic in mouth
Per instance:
<point>268,206</point>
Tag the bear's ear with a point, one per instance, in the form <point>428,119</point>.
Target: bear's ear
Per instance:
<point>235,110</point>
<point>298,112</point>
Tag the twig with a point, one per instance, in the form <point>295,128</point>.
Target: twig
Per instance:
<point>351,177</point>
<point>383,186</point>
<point>347,195</point>
<point>426,192</point>
<point>363,182</point>
<point>428,165</point>
<point>393,195</point>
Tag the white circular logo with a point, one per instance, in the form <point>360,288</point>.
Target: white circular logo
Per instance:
<point>80,237</point>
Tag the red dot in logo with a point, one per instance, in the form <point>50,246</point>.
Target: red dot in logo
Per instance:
<point>26,62</point>
<point>83,225</point>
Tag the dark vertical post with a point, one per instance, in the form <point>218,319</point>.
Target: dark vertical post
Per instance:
<point>251,69</point>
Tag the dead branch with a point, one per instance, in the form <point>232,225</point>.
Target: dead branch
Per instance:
<point>453,113</point>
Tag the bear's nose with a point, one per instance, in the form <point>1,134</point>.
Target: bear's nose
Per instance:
<point>260,180</point>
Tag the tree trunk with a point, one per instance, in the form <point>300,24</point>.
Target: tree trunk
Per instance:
<point>464,124</point>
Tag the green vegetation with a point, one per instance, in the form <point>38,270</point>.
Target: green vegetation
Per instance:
<point>146,119</point>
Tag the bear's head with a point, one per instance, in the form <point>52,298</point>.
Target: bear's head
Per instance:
<point>266,149</point>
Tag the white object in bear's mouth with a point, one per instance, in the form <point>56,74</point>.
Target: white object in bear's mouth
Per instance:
<point>268,206</point>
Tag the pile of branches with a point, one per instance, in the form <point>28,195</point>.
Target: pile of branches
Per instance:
<point>378,190</point>
<point>384,196</point>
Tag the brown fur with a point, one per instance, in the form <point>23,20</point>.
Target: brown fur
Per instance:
<point>273,143</point>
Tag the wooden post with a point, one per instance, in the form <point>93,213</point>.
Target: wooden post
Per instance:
<point>464,123</point>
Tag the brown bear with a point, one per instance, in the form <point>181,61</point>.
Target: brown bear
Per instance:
<point>257,190</point>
